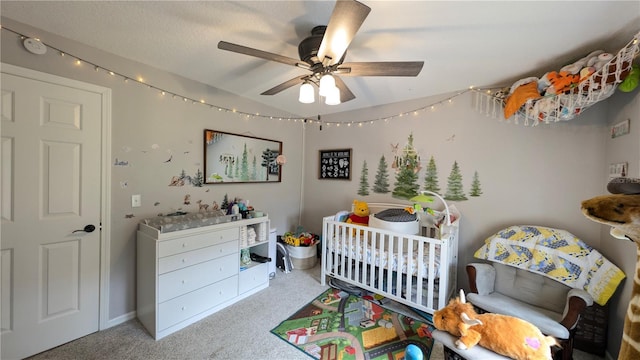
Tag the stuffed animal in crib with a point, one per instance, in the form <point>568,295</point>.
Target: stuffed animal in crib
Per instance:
<point>502,334</point>
<point>360,214</point>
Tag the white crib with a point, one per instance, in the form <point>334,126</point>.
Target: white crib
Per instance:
<point>415,270</point>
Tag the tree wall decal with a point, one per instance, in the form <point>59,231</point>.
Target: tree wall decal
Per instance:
<point>381,182</point>
<point>475,186</point>
<point>363,190</point>
<point>408,157</point>
<point>431,177</point>
<point>406,184</point>
<point>454,184</point>
<point>198,179</point>
<point>408,166</point>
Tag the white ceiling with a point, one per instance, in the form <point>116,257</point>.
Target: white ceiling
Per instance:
<point>476,43</point>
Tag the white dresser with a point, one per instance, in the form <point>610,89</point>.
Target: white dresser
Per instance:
<point>186,275</point>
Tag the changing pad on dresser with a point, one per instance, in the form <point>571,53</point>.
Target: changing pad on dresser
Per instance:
<point>169,223</point>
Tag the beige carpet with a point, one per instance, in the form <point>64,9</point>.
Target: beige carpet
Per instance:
<point>240,331</point>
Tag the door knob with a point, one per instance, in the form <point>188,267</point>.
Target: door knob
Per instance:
<point>89,228</point>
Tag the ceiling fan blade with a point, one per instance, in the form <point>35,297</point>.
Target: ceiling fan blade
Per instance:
<point>262,54</point>
<point>345,93</point>
<point>285,85</point>
<point>346,19</point>
<point>382,68</point>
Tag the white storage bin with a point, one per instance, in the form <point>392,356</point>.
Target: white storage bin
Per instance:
<point>303,257</point>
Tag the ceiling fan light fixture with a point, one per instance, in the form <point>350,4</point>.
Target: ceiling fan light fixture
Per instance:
<point>327,84</point>
<point>323,53</point>
<point>333,98</point>
<point>307,95</point>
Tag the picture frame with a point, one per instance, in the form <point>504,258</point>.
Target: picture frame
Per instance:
<point>619,129</point>
<point>334,164</point>
<point>617,170</point>
<point>235,158</point>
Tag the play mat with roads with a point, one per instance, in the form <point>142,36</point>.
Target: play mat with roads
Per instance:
<point>340,326</point>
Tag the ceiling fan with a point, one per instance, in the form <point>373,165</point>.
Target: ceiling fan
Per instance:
<point>324,51</point>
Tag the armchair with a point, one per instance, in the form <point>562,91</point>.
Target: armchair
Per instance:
<point>553,307</point>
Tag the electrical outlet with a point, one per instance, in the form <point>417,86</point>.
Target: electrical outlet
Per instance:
<point>136,200</point>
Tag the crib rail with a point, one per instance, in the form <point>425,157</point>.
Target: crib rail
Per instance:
<point>414,270</point>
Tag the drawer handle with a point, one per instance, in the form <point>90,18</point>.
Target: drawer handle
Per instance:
<point>184,244</point>
<point>184,260</point>
<point>184,308</point>
<point>184,281</point>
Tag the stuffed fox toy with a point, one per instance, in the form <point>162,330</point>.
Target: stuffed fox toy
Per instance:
<point>502,334</point>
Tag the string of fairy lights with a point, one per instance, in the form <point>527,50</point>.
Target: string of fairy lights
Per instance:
<point>78,61</point>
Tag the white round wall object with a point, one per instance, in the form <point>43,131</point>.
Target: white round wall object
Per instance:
<point>35,46</point>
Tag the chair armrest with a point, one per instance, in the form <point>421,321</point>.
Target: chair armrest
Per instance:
<point>481,278</point>
<point>577,301</point>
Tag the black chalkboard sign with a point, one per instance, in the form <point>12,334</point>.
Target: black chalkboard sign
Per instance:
<point>335,164</point>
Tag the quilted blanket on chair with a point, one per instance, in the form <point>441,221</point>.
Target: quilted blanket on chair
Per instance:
<point>556,254</point>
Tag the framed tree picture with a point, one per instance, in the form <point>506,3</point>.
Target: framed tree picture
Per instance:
<point>236,158</point>
<point>335,164</point>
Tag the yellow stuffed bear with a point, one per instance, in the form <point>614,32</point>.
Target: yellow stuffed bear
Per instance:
<point>360,214</point>
<point>505,335</point>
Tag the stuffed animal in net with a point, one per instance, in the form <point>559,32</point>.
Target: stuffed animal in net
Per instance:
<point>502,334</point>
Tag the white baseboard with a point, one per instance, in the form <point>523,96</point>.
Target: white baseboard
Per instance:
<point>120,319</point>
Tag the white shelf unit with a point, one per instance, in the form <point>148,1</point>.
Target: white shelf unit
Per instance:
<point>184,276</point>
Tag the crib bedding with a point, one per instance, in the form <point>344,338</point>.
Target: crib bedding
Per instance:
<point>381,258</point>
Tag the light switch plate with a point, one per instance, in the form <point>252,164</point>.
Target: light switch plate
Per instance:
<point>136,200</point>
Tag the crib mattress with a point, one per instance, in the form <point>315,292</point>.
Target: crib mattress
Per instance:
<point>379,258</point>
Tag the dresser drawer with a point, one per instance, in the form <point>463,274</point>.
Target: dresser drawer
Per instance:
<point>176,283</point>
<point>181,308</point>
<point>253,277</point>
<point>188,243</point>
<point>178,261</point>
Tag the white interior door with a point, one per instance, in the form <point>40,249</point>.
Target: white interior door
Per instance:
<point>51,187</point>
